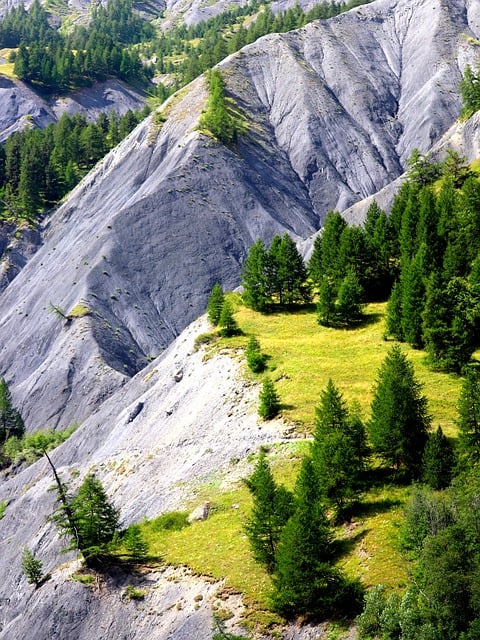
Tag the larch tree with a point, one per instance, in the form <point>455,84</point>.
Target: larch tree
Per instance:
<point>215,303</point>
<point>469,416</point>
<point>11,422</point>
<point>399,420</point>
<point>338,449</point>
<point>272,507</point>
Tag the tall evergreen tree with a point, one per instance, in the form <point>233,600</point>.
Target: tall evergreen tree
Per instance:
<point>269,405</point>
<point>393,319</point>
<point>226,322</point>
<point>254,280</point>
<point>272,507</point>
<point>92,520</point>
<point>338,449</point>
<point>399,420</point>
<point>469,415</point>
<point>438,461</point>
<point>326,307</point>
<point>350,299</point>
<point>215,303</point>
<point>11,422</point>
<point>413,299</point>
<point>305,580</point>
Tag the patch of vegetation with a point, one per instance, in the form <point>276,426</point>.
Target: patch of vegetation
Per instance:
<point>87,579</point>
<point>32,446</point>
<point>79,311</point>
<point>132,593</point>
<point>3,505</point>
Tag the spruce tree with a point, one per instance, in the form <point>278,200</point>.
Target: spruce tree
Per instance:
<point>215,304</point>
<point>399,420</point>
<point>269,405</point>
<point>438,461</point>
<point>272,507</point>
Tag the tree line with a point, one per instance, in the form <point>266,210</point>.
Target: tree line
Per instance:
<point>38,167</point>
<point>188,52</point>
<point>424,258</point>
<point>58,63</point>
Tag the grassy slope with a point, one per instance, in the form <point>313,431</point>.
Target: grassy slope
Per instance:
<point>303,356</point>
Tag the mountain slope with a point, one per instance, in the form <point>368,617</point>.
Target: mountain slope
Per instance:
<point>332,111</point>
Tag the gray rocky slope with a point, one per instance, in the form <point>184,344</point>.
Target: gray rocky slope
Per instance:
<point>331,113</point>
<point>21,107</point>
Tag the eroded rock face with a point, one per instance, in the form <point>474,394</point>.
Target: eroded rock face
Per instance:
<point>20,107</point>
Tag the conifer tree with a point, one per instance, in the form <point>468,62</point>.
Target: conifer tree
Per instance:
<point>11,422</point>
<point>399,420</point>
<point>215,304</point>
<point>254,281</point>
<point>413,299</point>
<point>272,507</point>
<point>469,415</point>
<point>394,313</point>
<point>255,357</point>
<point>227,323</point>
<point>438,461</point>
<point>31,567</point>
<point>305,582</point>
<point>269,406</point>
<point>338,449</point>
<point>326,308</point>
<point>88,519</point>
<point>350,298</point>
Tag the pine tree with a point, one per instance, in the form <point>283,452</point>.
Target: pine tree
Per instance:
<point>31,567</point>
<point>469,415</point>
<point>272,507</point>
<point>438,461</point>
<point>399,421</point>
<point>269,406</point>
<point>215,304</point>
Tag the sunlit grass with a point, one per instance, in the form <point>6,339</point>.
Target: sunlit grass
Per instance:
<point>303,356</point>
